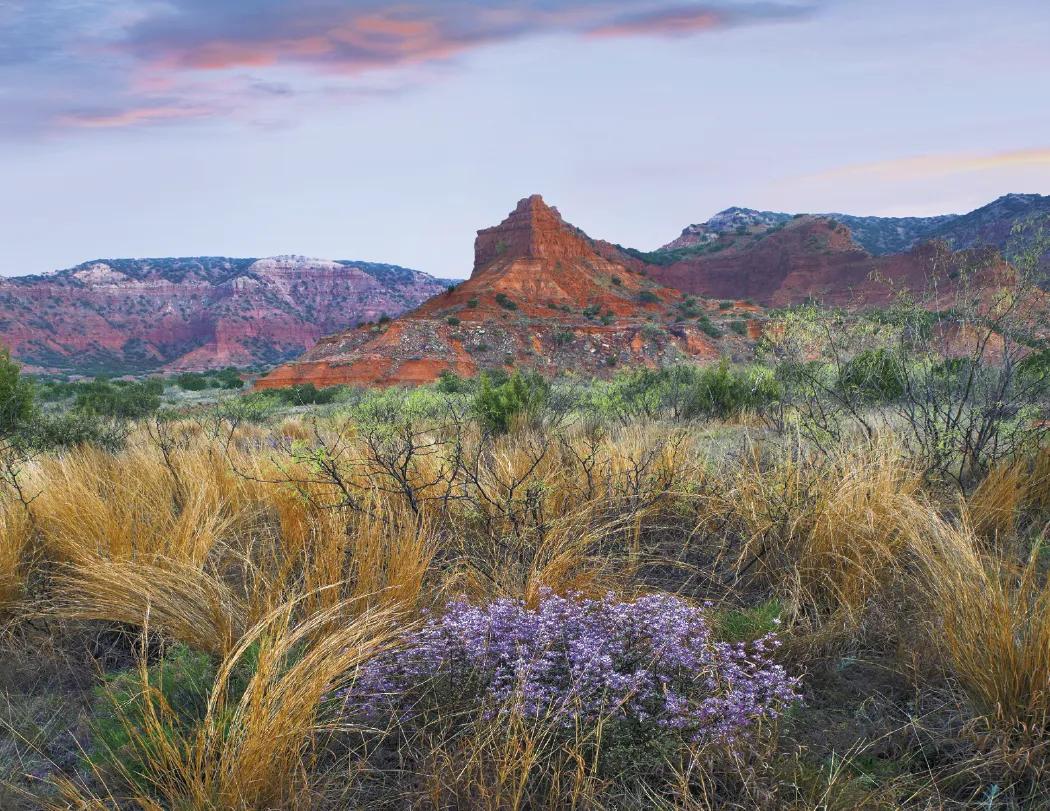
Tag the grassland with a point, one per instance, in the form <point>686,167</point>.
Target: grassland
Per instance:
<point>179,611</point>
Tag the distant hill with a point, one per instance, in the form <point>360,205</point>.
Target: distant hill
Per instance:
<point>778,259</point>
<point>1008,224</point>
<point>149,315</point>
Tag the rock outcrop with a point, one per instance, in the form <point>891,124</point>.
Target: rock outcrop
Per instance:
<point>120,316</point>
<point>541,297</point>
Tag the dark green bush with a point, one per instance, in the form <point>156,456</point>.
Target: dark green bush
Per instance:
<point>452,321</point>
<point>875,375</point>
<point>739,327</point>
<point>119,400</point>
<point>72,429</point>
<point>504,301</point>
<point>192,381</point>
<point>497,405</point>
<point>648,297</point>
<point>708,328</point>
<point>449,382</point>
<point>123,741</point>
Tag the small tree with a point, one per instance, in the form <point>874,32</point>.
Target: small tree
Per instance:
<point>17,395</point>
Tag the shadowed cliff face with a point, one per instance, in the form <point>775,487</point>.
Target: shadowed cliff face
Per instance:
<point>540,296</point>
<point>176,314</point>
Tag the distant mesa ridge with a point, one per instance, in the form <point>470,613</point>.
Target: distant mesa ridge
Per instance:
<point>542,294</point>
<point>160,315</point>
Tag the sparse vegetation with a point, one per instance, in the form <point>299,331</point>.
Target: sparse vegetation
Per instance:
<point>504,301</point>
<point>513,592</point>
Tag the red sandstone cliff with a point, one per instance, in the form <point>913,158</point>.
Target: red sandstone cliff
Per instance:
<point>540,297</point>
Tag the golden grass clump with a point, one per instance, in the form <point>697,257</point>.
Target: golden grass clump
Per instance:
<point>255,752</point>
<point>132,505</point>
<point>15,538</point>
<point>831,532</point>
<point>991,618</point>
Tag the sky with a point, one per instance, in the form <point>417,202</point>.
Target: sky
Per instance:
<point>393,131</point>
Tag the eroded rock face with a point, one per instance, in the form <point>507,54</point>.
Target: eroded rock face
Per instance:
<point>540,297</point>
<point>198,313</point>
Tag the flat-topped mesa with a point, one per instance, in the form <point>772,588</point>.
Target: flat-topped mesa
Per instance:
<point>533,230</point>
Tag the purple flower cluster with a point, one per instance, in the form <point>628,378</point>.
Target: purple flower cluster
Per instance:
<point>652,660</point>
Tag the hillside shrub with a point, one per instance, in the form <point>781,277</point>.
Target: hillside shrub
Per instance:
<point>648,297</point>
<point>708,327</point>
<point>652,662</point>
<point>504,301</point>
<point>72,429</point>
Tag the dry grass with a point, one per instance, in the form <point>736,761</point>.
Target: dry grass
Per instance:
<point>305,547</point>
<point>15,539</point>
<point>830,533</point>
<point>255,753</point>
<point>992,622</point>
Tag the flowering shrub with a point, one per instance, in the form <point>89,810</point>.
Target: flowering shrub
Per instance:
<point>652,661</point>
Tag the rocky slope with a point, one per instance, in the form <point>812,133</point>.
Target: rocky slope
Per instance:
<point>541,296</point>
<point>148,315</point>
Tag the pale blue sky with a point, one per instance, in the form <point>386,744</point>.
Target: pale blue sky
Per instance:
<point>345,130</point>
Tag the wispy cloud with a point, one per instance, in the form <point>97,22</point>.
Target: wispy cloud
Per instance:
<point>930,166</point>
<point>145,62</point>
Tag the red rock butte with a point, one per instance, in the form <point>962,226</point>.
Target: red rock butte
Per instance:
<point>540,297</point>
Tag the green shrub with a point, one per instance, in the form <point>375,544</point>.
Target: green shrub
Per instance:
<point>17,396</point>
<point>708,328</point>
<point>496,406</point>
<point>472,303</point>
<point>725,305</point>
<point>452,321</point>
<point>739,327</point>
<point>653,332</point>
<point>722,391</point>
<point>591,311</point>
<point>875,375</point>
<point>70,430</point>
<point>123,742</point>
<point>563,338</point>
<point>616,280</point>
<point>449,382</point>
<point>192,381</point>
<point>648,297</point>
<point>505,302</point>
<point>121,400</point>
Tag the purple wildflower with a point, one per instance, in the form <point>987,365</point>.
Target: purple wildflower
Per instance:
<point>652,660</point>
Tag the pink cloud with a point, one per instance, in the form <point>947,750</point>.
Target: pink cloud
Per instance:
<point>134,116</point>
<point>676,22</point>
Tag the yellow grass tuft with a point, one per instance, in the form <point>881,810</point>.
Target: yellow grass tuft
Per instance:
<point>992,619</point>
